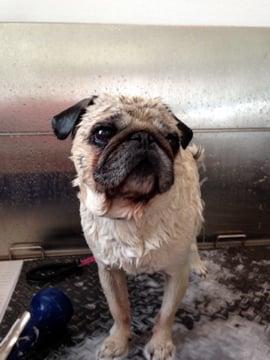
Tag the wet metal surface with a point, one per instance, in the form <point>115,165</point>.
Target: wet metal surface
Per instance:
<point>212,77</point>
<point>38,202</point>
<point>236,183</point>
<point>216,79</point>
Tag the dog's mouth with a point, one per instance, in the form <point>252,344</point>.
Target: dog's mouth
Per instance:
<point>134,169</point>
<point>140,185</point>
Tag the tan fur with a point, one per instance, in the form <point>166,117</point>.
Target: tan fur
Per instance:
<point>157,236</point>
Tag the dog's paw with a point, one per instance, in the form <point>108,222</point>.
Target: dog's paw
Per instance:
<point>199,267</point>
<point>158,349</point>
<point>113,347</point>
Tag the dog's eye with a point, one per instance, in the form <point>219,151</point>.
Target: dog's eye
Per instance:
<point>174,141</point>
<point>102,134</point>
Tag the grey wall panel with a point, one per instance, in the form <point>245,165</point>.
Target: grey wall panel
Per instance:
<point>34,154</point>
<point>236,183</point>
<point>38,202</point>
<point>212,77</point>
<point>216,79</point>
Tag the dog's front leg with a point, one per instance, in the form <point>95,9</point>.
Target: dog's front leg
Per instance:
<point>115,289</point>
<point>161,347</point>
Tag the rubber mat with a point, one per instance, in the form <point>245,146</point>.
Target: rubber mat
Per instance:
<point>224,316</point>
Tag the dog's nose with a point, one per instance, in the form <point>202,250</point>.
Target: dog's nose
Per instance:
<point>143,137</point>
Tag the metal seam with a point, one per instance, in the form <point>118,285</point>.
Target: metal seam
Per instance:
<point>203,130</point>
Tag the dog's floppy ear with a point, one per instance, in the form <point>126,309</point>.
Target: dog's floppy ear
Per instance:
<point>65,122</point>
<point>187,133</point>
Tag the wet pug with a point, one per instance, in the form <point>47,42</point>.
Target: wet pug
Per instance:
<point>140,204</point>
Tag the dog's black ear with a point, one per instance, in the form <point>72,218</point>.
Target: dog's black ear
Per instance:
<point>65,122</point>
<point>187,133</point>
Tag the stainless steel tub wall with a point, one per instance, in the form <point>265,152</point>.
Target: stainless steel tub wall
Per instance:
<point>216,79</point>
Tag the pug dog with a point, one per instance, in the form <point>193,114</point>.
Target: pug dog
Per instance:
<point>140,204</point>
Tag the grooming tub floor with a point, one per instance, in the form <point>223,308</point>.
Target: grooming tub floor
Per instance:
<point>224,316</point>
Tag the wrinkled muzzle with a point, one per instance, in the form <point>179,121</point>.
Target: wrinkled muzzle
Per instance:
<point>136,167</point>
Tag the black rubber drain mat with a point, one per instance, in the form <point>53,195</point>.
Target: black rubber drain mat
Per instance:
<point>224,316</point>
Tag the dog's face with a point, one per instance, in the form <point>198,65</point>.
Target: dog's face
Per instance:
<point>124,149</point>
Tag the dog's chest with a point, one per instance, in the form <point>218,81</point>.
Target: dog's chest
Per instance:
<point>131,258</point>
<point>123,245</point>
<point>162,238</point>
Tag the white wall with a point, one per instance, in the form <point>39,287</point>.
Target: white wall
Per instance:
<point>166,12</point>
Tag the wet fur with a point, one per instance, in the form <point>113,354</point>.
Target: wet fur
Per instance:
<point>128,236</point>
